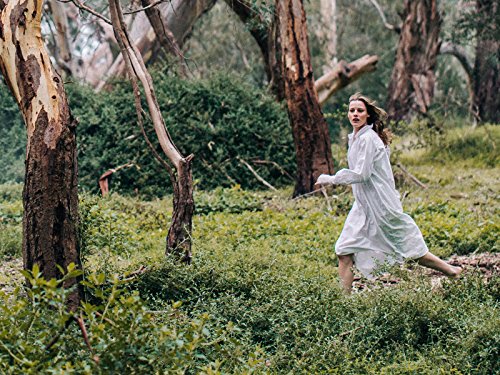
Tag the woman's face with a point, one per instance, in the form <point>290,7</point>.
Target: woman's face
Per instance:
<point>357,114</point>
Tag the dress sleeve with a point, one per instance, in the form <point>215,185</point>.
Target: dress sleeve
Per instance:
<point>363,168</point>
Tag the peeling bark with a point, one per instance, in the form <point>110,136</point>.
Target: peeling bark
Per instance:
<point>309,128</point>
<point>50,197</point>
<point>412,82</point>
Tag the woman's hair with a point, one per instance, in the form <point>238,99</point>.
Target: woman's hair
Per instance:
<point>377,116</point>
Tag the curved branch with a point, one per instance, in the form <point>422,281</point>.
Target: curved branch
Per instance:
<point>387,25</point>
<point>458,52</point>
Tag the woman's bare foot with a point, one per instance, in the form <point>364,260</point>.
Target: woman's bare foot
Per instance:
<point>454,272</point>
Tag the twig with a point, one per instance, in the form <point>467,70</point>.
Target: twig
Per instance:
<point>86,8</point>
<point>384,20</point>
<point>81,324</point>
<point>281,169</point>
<point>158,2</point>
<point>306,194</point>
<point>257,175</point>
<point>323,190</point>
<point>346,333</point>
<point>412,177</point>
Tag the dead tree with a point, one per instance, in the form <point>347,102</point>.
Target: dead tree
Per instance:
<point>179,234</point>
<point>50,198</point>
<point>412,82</point>
<point>309,128</point>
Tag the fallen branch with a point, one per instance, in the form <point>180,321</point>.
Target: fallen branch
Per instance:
<point>281,169</point>
<point>81,324</point>
<point>257,175</point>
<point>103,180</point>
<point>342,75</point>
<point>307,194</point>
<point>346,333</point>
<point>412,177</point>
<point>323,191</point>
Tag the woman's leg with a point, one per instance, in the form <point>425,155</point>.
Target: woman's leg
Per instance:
<point>431,261</point>
<point>345,272</point>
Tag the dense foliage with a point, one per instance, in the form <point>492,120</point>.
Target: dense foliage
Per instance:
<point>262,293</point>
<point>223,121</point>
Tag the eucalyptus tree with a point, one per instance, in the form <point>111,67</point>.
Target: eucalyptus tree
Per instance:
<point>309,128</point>
<point>411,88</point>
<point>50,199</point>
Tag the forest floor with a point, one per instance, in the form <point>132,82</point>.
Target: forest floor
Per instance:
<point>487,264</point>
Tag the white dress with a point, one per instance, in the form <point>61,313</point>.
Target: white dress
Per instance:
<point>376,231</point>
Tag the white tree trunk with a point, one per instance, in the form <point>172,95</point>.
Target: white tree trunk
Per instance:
<point>328,32</point>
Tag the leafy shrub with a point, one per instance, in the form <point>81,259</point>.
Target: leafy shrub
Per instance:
<point>233,200</point>
<point>10,220</point>
<point>221,121</point>
<point>123,335</point>
<point>477,146</point>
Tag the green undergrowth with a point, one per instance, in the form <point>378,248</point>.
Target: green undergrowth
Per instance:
<point>262,294</point>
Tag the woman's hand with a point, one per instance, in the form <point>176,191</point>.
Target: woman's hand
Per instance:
<point>325,179</point>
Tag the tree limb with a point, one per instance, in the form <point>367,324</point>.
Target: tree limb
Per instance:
<point>257,176</point>
<point>412,177</point>
<point>342,75</point>
<point>387,25</point>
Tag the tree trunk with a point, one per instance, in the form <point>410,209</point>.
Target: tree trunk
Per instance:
<point>486,77</point>
<point>163,35</point>
<point>265,34</point>
<point>179,234</point>
<point>50,197</point>
<point>63,55</point>
<point>327,33</point>
<point>310,131</point>
<point>412,82</point>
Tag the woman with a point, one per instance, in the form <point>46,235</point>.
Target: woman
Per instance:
<point>376,230</point>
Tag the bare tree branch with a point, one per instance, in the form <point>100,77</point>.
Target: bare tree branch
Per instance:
<point>387,25</point>
<point>342,75</point>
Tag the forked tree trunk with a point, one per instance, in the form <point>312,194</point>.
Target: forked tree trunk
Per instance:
<point>412,82</point>
<point>50,197</point>
<point>309,128</point>
<point>486,71</point>
<point>179,234</point>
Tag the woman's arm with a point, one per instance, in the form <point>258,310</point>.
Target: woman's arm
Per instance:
<point>361,171</point>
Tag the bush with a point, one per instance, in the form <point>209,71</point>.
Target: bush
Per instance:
<point>221,121</point>
<point>38,336</point>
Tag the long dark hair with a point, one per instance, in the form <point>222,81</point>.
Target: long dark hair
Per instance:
<point>377,116</point>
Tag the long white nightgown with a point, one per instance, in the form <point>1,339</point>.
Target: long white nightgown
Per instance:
<point>376,231</point>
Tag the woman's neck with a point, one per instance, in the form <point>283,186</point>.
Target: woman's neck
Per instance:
<point>357,129</point>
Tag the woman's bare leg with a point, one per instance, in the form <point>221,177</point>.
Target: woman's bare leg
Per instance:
<point>431,261</point>
<point>345,272</point>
